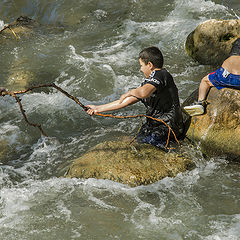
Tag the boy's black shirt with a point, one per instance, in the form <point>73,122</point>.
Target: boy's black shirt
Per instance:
<point>163,103</point>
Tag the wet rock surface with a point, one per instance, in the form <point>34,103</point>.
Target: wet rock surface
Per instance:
<point>21,26</point>
<point>211,42</point>
<point>219,129</point>
<point>137,164</point>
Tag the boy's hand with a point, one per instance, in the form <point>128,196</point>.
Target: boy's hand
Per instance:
<point>92,109</point>
<point>2,90</point>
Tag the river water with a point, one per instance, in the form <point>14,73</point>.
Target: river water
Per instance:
<point>90,49</point>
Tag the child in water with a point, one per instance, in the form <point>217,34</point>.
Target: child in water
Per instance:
<point>158,93</point>
<point>227,76</point>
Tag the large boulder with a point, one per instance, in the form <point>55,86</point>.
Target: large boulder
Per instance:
<point>134,165</point>
<point>219,129</point>
<point>211,42</point>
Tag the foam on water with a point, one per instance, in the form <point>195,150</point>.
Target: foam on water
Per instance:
<point>76,59</point>
<point>47,103</point>
<point>10,133</point>
<point>1,25</point>
<point>17,203</point>
<point>194,9</point>
<point>225,228</point>
<point>148,208</point>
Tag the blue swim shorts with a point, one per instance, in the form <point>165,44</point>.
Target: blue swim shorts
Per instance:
<point>224,79</point>
<point>152,139</point>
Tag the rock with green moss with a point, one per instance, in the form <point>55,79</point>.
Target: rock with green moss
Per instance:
<point>211,42</point>
<point>137,164</point>
<point>219,129</point>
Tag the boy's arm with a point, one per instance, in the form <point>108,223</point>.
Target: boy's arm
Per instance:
<point>139,93</point>
<point>115,105</point>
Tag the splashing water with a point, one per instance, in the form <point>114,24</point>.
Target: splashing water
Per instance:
<point>90,49</point>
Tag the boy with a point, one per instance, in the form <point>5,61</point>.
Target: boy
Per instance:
<point>228,76</point>
<point>158,93</point>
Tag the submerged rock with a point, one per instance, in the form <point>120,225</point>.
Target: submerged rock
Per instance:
<point>19,80</point>
<point>219,129</point>
<point>23,25</point>
<point>211,42</point>
<point>133,165</point>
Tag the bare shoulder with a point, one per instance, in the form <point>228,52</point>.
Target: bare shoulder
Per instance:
<point>232,64</point>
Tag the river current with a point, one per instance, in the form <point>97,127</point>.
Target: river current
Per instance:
<point>90,49</point>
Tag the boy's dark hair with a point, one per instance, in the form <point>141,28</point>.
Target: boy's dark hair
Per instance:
<point>235,48</point>
<point>153,55</point>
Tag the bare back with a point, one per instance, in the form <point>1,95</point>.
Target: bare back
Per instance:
<point>232,64</point>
